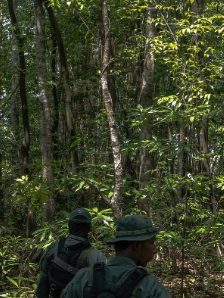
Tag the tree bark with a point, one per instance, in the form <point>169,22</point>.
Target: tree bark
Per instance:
<point>181,161</point>
<point>15,85</point>
<point>108,102</point>
<point>197,7</point>
<point>56,101</point>
<point>66,81</point>
<point>45,115</point>
<point>22,83</point>
<point>146,100</point>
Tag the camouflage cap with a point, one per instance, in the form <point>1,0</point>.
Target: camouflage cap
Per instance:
<point>134,228</point>
<point>80,215</point>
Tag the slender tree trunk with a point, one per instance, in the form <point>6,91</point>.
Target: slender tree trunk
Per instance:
<point>56,102</point>
<point>15,85</point>
<point>45,116</point>
<point>108,102</point>
<point>22,83</point>
<point>197,7</point>
<point>170,138</point>
<point>206,164</point>
<point>66,80</point>
<point>146,100</point>
<point>181,160</point>
<point>15,97</point>
<point>111,78</point>
<point>178,196</point>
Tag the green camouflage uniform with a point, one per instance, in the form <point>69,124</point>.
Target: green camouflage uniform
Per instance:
<point>130,228</point>
<point>43,288</point>
<point>116,271</point>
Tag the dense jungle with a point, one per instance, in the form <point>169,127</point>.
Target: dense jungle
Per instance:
<point>116,106</point>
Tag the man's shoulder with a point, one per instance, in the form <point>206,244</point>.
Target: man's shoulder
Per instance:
<point>149,286</point>
<point>95,256</point>
<point>96,251</point>
<point>50,249</point>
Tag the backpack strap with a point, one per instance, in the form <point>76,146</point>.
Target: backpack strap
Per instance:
<point>59,261</point>
<point>125,290</point>
<point>83,256</point>
<point>65,266</point>
<point>98,280</point>
<point>60,245</point>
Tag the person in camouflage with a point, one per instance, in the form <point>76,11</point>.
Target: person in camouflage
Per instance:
<point>134,244</point>
<point>79,227</point>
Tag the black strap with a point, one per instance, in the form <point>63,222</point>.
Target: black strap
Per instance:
<point>59,246</point>
<point>98,280</point>
<point>67,267</point>
<point>125,290</point>
<point>80,261</point>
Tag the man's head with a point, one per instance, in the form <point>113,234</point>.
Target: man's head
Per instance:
<point>135,238</point>
<point>80,215</point>
<point>80,222</point>
<point>141,252</point>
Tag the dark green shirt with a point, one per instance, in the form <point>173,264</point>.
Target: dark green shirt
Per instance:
<point>116,272</point>
<point>43,288</point>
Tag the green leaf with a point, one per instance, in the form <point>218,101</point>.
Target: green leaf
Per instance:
<point>110,194</point>
<point>12,281</point>
<point>81,184</point>
<point>76,142</point>
<point>42,236</point>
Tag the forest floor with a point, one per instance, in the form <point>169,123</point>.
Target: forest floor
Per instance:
<point>194,285</point>
<point>195,288</point>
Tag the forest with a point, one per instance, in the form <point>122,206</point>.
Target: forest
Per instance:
<point>116,106</point>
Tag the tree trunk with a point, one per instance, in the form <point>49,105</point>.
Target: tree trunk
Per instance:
<point>181,190</point>
<point>181,165</point>
<point>66,81</point>
<point>55,98</point>
<point>108,102</point>
<point>15,85</point>
<point>146,100</point>
<point>197,7</point>
<point>22,84</point>
<point>45,117</point>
